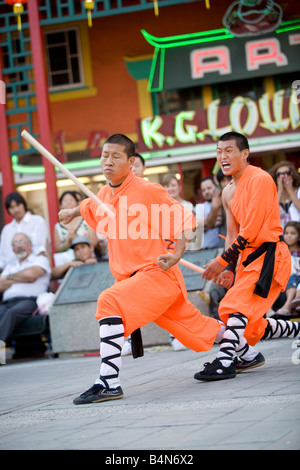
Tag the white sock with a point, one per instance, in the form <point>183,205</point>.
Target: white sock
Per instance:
<point>245,351</point>
<point>220,332</point>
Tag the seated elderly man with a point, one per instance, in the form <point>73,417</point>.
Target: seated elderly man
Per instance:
<point>21,282</point>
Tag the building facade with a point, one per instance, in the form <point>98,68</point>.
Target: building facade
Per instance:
<point>172,75</point>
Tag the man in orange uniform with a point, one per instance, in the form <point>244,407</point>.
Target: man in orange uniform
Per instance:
<point>254,240</point>
<point>149,284</point>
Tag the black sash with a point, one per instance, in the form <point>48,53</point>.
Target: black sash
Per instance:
<point>266,275</point>
<point>137,340</point>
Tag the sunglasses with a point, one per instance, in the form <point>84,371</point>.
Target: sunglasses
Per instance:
<point>287,173</point>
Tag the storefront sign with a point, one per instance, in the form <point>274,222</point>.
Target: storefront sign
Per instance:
<point>218,56</point>
<point>267,117</point>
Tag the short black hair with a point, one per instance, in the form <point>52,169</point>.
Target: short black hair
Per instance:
<point>74,194</point>
<point>240,140</point>
<point>16,197</point>
<point>123,140</point>
<point>208,178</point>
<point>140,157</point>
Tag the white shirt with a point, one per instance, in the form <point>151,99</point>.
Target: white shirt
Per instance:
<point>28,289</point>
<point>292,214</point>
<point>34,226</point>
<point>211,237</point>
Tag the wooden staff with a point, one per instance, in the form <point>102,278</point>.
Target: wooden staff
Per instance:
<point>40,148</point>
<point>190,265</point>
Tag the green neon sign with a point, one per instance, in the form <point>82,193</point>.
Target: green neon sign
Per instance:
<point>177,59</point>
<point>39,169</point>
<point>270,115</point>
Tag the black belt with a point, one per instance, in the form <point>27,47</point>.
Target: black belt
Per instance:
<point>262,286</point>
<point>137,340</point>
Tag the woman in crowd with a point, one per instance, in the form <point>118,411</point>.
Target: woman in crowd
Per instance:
<point>287,180</point>
<point>292,239</point>
<point>172,185</point>
<point>64,235</point>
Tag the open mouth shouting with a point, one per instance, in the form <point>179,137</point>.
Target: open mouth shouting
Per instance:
<point>226,167</point>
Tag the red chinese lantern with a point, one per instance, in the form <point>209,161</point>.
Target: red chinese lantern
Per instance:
<point>89,6</point>
<point>18,9</point>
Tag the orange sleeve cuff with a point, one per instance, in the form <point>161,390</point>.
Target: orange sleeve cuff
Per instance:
<point>88,211</point>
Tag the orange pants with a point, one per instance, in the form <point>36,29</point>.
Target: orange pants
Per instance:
<point>240,298</point>
<point>154,295</point>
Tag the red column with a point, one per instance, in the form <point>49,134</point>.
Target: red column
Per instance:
<point>179,168</point>
<point>41,88</point>
<point>207,166</point>
<point>8,183</point>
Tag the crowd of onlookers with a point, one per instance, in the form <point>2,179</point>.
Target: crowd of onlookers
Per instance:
<point>30,268</point>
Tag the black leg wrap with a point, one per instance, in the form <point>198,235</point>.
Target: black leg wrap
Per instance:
<point>137,344</point>
<point>267,331</point>
<point>111,321</point>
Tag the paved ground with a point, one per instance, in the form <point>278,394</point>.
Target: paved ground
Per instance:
<point>164,407</point>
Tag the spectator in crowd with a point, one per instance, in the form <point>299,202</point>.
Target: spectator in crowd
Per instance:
<point>295,306</point>
<point>21,282</point>
<point>222,179</point>
<point>139,165</point>
<point>292,239</point>
<point>84,254</point>
<point>287,180</point>
<point>171,183</point>
<point>23,222</point>
<point>64,235</point>
<point>216,293</point>
<point>209,213</point>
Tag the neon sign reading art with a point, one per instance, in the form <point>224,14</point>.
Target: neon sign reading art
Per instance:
<point>262,118</point>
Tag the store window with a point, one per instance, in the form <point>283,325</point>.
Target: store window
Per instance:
<point>187,99</point>
<point>226,92</point>
<point>285,81</point>
<point>64,59</point>
<point>174,101</point>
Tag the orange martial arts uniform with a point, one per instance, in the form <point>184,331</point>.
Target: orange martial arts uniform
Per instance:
<point>255,208</point>
<point>143,292</point>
